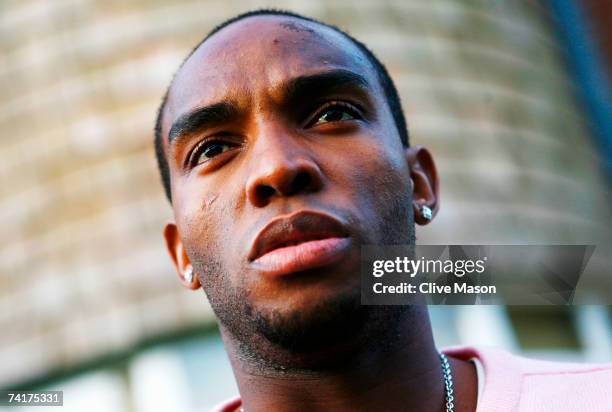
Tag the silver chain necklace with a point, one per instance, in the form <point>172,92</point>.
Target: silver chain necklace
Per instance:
<point>448,384</point>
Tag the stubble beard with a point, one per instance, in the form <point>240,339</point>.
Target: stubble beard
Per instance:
<point>340,322</point>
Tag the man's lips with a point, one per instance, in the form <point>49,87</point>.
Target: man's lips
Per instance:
<point>301,241</point>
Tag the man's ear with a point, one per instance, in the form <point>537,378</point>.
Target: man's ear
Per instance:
<point>181,262</point>
<point>424,182</point>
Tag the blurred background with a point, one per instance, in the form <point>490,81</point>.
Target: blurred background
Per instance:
<point>512,97</point>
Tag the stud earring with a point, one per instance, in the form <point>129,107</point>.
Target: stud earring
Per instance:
<point>426,213</point>
<point>188,274</point>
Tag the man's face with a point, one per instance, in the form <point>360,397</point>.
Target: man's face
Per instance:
<point>284,159</point>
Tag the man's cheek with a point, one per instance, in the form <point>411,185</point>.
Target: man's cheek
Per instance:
<point>373,168</point>
<point>198,223</point>
<point>378,182</point>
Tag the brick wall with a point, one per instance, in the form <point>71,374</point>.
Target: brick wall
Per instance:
<point>83,270</point>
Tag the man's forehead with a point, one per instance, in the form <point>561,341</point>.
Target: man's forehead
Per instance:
<point>257,54</point>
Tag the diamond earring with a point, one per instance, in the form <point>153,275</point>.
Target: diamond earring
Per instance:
<point>188,274</point>
<point>426,213</point>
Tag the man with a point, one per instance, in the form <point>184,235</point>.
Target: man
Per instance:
<point>283,147</point>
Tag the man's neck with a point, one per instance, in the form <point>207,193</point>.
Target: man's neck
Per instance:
<point>406,376</point>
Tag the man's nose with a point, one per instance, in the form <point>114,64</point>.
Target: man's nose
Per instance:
<point>281,168</point>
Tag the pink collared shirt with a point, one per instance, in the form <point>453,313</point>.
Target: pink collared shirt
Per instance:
<point>510,383</point>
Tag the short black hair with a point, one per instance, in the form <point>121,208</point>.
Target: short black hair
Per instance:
<point>385,80</point>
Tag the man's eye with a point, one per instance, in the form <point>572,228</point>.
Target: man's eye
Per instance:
<point>336,113</point>
<point>209,150</point>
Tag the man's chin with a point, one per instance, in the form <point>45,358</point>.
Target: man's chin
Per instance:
<point>314,327</point>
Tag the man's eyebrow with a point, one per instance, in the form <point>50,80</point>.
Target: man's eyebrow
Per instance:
<point>297,89</point>
<point>326,82</point>
<point>202,117</point>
